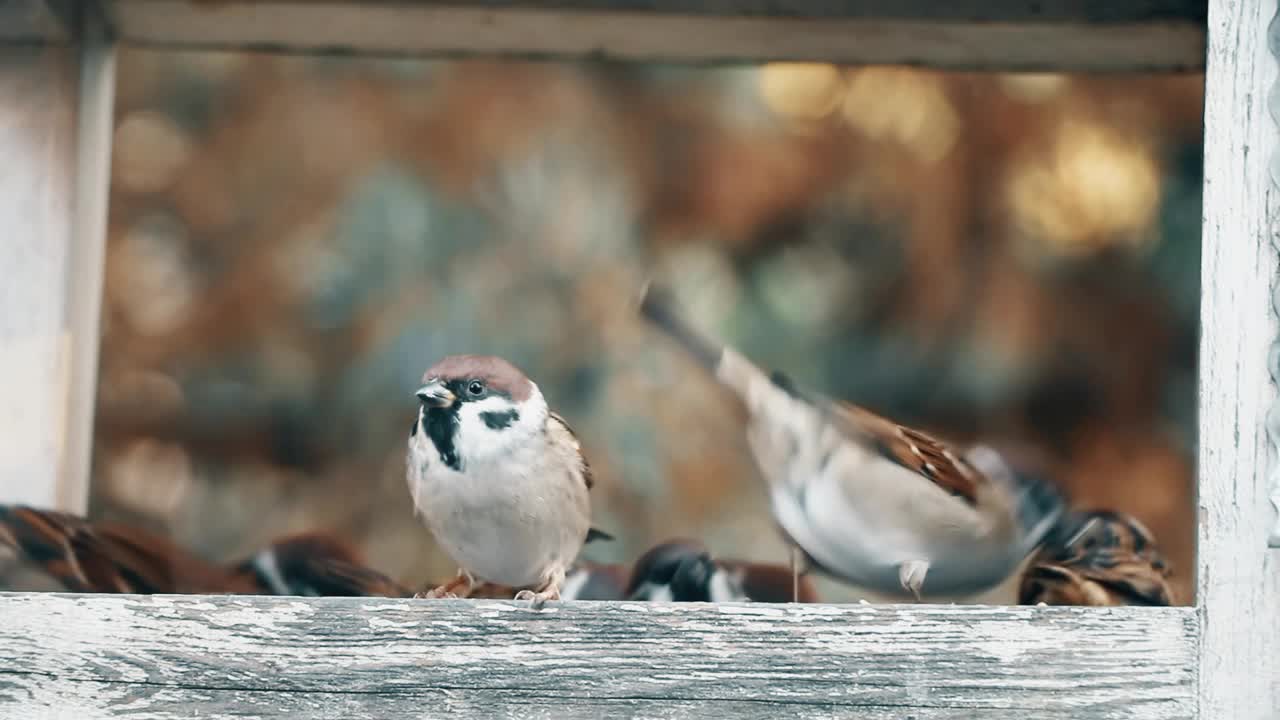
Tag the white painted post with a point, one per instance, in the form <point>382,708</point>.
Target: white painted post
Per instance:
<point>55,120</point>
<point>1239,576</point>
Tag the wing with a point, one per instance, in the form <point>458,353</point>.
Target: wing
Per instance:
<point>60,546</point>
<point>914,450</point>
<point>326,577</point>
<point>911,449</point>
<point>1099,558</point>
<point>584,467</point>
<point>85,558</point>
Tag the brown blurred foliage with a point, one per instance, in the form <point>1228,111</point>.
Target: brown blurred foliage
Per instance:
<point>292,240</point>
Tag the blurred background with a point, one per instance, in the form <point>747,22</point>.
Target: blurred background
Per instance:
<point>294,240</point>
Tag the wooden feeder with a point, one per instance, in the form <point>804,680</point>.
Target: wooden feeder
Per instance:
<point>216,656</point>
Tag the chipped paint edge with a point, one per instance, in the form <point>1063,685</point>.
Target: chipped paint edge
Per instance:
<point>1273,360</point>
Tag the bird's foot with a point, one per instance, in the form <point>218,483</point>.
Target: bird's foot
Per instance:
<point>539,599</point>
<point>459,587</point>
<point>439,593</point>
<point>911,573</point>
<point>550,589</point>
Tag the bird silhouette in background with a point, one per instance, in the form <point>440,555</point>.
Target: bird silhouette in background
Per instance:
<point>1098,557</point>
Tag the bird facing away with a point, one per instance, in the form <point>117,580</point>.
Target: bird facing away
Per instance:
<point>1099,558</point>
<point>683,570</point>
<point>46,550</point>
<point>315,564</point>
<point>499,479</point>
<point>869,501</point>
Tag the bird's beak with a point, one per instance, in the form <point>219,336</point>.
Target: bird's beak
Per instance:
<point>435,394</point>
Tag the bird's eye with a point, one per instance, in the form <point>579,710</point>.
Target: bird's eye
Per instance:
<point>476,388</point>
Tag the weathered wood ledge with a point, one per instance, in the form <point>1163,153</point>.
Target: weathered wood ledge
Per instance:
<point>105,656</point>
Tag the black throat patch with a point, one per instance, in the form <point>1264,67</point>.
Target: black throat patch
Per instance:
<point>441,426</point>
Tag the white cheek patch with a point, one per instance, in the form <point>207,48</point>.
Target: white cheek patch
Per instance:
<point>574,584</point>
<point>265,563</point>
<point>724,589</point>
<point>495,424</point>
<point>652,592</point>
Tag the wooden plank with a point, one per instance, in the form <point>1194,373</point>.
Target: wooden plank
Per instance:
<point>37,142</point>
<point>94,125</point>
<point>32,21</point>
<point>1078,35</point>
<point>55,138</point>
<point>184,656</point>
<point>1239,577</point>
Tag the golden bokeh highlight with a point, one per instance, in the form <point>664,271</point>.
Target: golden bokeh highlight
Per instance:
<point>1097,188</point>
<point>903,106</point>
<point>1033,88</point>
<point>801,91</point>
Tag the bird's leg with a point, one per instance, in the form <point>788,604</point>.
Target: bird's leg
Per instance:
<point>795,574</point>
<point>549,590</point>
<point>459,587</point>
<point>911,573</point>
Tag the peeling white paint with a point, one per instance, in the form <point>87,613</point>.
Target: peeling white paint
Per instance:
<point>217,654</point>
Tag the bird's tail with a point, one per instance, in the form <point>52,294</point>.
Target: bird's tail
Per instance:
<point>658,306</point>
<point>729,367</point>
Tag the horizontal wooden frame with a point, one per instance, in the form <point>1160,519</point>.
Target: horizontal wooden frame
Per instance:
<point>1068,35</point>
<point>167,656</point>
<point>106,656</point>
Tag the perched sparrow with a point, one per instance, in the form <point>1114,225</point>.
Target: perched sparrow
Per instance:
<point>869,501</point>
<point>1098,558</point>
<point>684,571</point>
<point>499,478</point>
<point>316,564</point>
<point>55,551</point>
<point>681,571</point>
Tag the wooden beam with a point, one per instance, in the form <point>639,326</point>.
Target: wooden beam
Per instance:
<point>1239,576</point>
<point>1075,35</point>
<point>55,138</point>
<point>185,656</point>
<point>37,142</point>
<point>94,125</point>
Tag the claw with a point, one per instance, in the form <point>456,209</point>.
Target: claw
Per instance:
<point>439,593</point>
<point>911,573</point>
<point>538,599</point>
<point>463,582</point>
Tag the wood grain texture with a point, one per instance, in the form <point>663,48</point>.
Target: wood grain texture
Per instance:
<point>1239,577</point>
<point>206,656</point>
<point>1273,418</point>
<point>1007,34</point>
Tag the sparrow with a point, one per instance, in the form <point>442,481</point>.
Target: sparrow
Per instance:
<point>1099,557</point>
<point>683,570</point>
<point>866,500</point>
<point>316,564</point>
<point>498,478</point>
<point>45,550</point>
